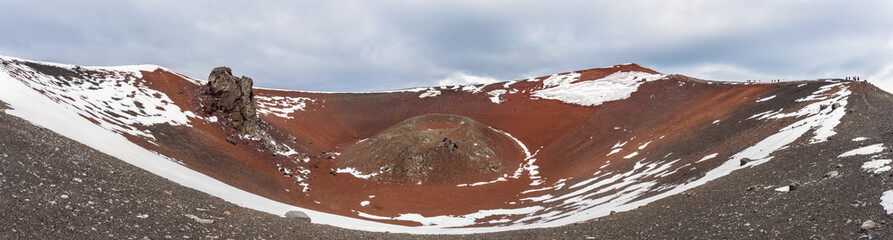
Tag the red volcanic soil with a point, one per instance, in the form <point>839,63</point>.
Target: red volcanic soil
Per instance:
<point>571,142</point>
<point>460,152</point>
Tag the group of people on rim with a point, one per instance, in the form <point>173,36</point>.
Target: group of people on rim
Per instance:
<point>856,79</point>
<point>757,81</point>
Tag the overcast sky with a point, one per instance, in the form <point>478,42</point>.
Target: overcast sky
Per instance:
<point>379,45</point>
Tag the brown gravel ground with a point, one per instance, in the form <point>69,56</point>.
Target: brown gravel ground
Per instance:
<point>52,187</point>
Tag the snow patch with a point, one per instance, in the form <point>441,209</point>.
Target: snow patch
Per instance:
<point>538,199</point>
<point>430,93</point>
<point>494,95</point>
<point>819,115</point>
<point>877,165</point>
<point>708,157</point>
<point>356,173</point>
<point>281,106</point>
<point>464,79</point>
<point>116,98</point>
<point>473,88</point>
<point>644,145</point>
<point>766,98</point>
<point>619,144</point>
<point>887,201</point>
<point>617,86</point>
<point>866,150</point>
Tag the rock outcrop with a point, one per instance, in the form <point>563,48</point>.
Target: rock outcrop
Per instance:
<point>231,96</point>
<point>435,148</point>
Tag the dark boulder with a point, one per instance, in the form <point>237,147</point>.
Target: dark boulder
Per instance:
<point>449,144</point>
<point>231,96</point>
<point>745,161</point>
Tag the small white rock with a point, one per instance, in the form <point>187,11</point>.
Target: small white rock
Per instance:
<point>868,225</point>
<point>198,219</point>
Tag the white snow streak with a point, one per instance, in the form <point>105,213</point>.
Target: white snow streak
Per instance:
<point>708,157</point>
<point>356,173</point>
<point>866,150</point>
<point>766,98</point>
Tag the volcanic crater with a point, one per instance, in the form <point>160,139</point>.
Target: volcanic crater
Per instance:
<point>537,152</point>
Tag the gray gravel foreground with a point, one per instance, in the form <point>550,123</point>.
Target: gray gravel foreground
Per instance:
<point>55,188</point>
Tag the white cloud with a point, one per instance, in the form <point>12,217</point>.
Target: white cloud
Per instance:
<point>465,79</point>
<point>723,72</point>
<point>883,78</point>
<point>361,45</point>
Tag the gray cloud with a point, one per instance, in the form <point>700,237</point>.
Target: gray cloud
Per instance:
<point>365,45</point>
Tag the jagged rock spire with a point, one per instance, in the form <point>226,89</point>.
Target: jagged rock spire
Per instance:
<point>233,97</point>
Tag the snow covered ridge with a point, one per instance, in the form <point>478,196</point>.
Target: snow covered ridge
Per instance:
<point>115,98</point>
<point>824,112</point>
<point>617,86</point>
<point>564,87</point>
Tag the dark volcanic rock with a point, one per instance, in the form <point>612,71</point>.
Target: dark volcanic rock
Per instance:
<point>231,96</point>
<point>435,148</point>
<point>745,161</point>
